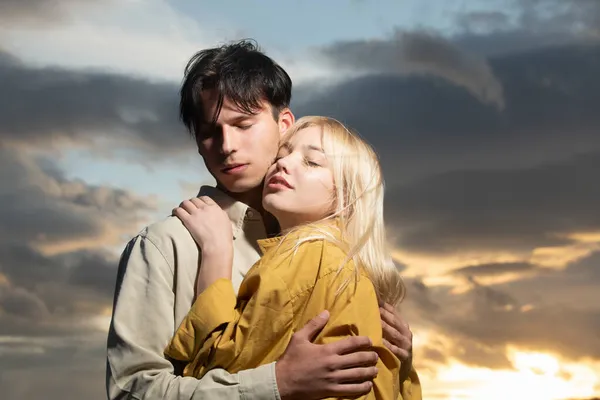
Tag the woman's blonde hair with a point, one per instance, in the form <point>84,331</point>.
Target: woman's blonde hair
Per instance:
<point>358,204</point>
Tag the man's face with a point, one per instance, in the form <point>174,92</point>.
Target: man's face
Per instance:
<point>239,148</point>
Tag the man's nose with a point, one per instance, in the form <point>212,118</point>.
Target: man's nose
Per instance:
<point>229,140</point>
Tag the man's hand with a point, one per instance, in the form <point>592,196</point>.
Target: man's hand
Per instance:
<point>310,371</point>
<point>397,337</point>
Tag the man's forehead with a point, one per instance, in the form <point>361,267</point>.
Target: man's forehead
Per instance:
<point>229,109</point>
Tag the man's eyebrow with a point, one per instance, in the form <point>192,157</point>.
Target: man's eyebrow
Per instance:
<point>240,118</point>
<point>232,121</point>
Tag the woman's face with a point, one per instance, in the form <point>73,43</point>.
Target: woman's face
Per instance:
<point>299,186</point>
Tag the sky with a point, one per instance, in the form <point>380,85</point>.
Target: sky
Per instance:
<point>485,116</point>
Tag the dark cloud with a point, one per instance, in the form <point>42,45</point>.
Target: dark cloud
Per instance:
<point>44,294</point>
<point>574,337</point>
<point>422,125</point>
<point>493,269</point>
<point>420,53</point>
<point>575,286</point>
<point>40,12</point>
<point>40,205</point>
<point>22,303</point>
<point>54,368</point>
<point>483,21</point>
<point>493,210</point>
<point>462,174</point>
<point>577,17</point>
<point>536,24</point>
<point>53,106</point>
<point>556,310</point>
<point>55,270</point>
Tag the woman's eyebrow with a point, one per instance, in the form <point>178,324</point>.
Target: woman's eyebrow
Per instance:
<point>315,148</point>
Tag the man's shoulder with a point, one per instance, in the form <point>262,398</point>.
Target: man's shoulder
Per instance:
<point>167,234</point>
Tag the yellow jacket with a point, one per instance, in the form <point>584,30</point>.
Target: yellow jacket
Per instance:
<point>287,287</point>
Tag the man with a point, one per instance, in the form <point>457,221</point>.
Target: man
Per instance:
<point>235,102</point>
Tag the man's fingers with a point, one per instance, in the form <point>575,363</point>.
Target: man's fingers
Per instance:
<point>388,316</point>
<point>350,345</point>
<point>389,308</point>
<point>313,327</point>
<point>402,354</point>
<point>391,333</point>
<point>356,375</point>
<point>356,360</point>
<point>393,317</point>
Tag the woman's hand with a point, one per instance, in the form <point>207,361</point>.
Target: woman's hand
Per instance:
<point>211,228</point>
<point>208,224</point>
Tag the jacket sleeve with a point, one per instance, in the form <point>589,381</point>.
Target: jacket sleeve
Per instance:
<point>411,386</point>
<point>142,325</point>
<point>232,336</point>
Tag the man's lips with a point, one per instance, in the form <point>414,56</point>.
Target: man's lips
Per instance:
<point>234,168</point>
<point>278,180</point>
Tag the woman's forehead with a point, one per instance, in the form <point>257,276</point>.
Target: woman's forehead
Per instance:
<point>311,136</point>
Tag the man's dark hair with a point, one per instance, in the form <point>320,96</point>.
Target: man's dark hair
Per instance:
<point>237,71</point>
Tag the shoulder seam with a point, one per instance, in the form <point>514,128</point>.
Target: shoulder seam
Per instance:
<point>145,236</point>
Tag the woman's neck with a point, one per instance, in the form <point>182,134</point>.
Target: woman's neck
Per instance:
<point>286,224</point>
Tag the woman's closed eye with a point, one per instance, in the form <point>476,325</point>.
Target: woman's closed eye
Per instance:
<point>311,163</point>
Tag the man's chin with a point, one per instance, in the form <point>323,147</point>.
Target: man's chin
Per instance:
<point>241,185</point>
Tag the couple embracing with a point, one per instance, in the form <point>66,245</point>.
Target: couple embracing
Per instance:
<point>277,282</point>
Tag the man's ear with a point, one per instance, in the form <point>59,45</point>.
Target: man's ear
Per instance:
<point>286,119</point>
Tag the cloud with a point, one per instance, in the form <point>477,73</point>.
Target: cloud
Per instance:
<point>420,53</point>
<point>61,367</point>
<point>57,270</point>
<point>57,107</point>
<point>578,17</point>
<point>480,322</point>
<point>40,206</point>
<point>15,12</point>
<point>530,25</point>
<point>421,125</point>
<point>494,269</point>
<point>462,175</point>
<point>101,35</point>
<point>478,22</point>
<point>493,210</point>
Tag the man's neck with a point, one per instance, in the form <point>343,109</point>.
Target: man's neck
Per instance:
<point>253,199</point>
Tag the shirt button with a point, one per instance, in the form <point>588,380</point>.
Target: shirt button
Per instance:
<point>250,214</point>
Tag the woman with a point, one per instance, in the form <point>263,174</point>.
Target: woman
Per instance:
<point>326,191</point>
